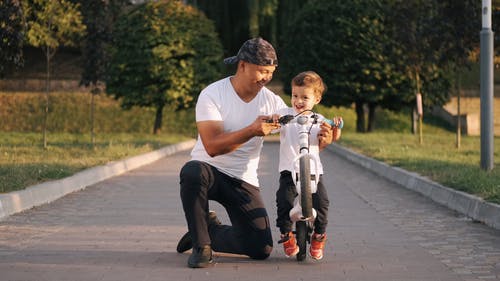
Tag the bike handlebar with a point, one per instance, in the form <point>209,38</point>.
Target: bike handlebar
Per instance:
<point>285,119</point>
<point>339,124</point>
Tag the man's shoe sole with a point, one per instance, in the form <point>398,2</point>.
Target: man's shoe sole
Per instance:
<point>185,243</point>
<point>201,264</point>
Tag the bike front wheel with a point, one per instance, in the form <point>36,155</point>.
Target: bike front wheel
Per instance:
<point>305,186</point>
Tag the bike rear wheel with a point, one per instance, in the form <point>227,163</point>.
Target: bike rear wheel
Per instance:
<point>301,235</point>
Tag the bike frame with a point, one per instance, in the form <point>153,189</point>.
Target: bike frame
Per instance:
<point>297,213</point>
<point>302,213</point>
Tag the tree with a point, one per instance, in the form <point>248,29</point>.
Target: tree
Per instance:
<point>495,24</point>
<point>98,17</point>
<point>460,22</point>
<point>231,18</point>
<point>236,21</point>
<point>286,13</point>
<point>164,53</point>
<point>12,34</point>
<point>415,29</point>
<point>268,24</point>
<point>51,24</point>
<point>345,42</point>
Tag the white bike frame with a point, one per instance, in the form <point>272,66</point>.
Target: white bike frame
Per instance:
<point>296,213</point>
<point>302,213</point>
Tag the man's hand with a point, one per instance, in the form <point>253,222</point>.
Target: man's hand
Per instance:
<point>264,125</point>
<point>217,142</point>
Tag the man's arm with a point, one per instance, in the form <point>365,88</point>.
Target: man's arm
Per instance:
<point>217,142</point>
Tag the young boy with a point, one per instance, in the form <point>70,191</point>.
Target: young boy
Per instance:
<point>307,90</point>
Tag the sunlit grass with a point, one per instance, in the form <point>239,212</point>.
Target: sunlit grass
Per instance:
<point>437,157</point>
<point>24,161</point>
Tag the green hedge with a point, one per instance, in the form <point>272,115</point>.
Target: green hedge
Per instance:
<point>70,112</point>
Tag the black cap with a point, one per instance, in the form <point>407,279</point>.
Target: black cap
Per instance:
<point>256,51</point>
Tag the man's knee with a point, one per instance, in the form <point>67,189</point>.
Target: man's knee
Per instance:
<point>190,180</point>
<point>195,174</point>
<point>262,253</point>
<point>190,170</point>
<point>260,244</point>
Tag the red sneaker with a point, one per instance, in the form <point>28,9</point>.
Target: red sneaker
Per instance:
<point>289,244</point>
<point>317,244</point>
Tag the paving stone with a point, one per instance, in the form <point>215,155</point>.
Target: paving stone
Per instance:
<point>127,228</point>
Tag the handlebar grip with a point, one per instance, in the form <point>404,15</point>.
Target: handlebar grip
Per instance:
<point>287,118</point>
<point>282,120</point>
<point>339,125</point>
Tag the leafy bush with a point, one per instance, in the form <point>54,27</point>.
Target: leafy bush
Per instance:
<point>69,112</point>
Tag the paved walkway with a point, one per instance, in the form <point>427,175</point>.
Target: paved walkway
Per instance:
<point>127,227</point>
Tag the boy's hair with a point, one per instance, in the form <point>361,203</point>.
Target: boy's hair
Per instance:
<point>310,79</point>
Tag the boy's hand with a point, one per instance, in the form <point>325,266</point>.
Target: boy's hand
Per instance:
<point>325,135</point>
<point>329,134</point>
<point>336,130</point>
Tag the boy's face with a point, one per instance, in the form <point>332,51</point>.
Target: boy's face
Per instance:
<point>303,98</point>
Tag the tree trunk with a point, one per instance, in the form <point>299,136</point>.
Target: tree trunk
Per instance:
<point>371,117</point>
<point>459,119</point>
<point>47,91</point>
<point>420,114</point>
<point>360,117</point>
<point>158,119</point>
<point>93,92</point>
<point>253,23</point>
<point>414,121</point>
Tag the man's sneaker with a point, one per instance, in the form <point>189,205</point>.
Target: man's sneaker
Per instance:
<point>201,257</point>
<point>289,244</point>
<point>317,244</point>
<point>186,243</point>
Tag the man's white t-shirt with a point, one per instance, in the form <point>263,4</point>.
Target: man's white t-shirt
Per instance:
<point>289,144</point>
<point>220,102</point>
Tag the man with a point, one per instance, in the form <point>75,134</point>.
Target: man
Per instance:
<point>232,117</point>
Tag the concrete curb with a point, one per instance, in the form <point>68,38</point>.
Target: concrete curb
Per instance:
<point>464,203</point>
<point>17,201</point>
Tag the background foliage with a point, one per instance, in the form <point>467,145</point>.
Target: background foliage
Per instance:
<point>348,45</point>
<point>163,54</point>
<point>12,35</point>
<point>22,112</point>
<point>369,51</point>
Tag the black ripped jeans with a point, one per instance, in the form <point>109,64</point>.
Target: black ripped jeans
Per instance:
<point>284,202</point>
<point>250,232</point>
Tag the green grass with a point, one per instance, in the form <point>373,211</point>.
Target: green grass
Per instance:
<point>437,157</point>
<point>25,162</point>
<point>119,134</point>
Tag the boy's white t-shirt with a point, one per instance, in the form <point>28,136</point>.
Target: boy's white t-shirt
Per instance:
<point>220,102</point>
<point>289,144</point>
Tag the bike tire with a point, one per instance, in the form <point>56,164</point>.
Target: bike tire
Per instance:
<point>305,186</point>
<point>301,236</point>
